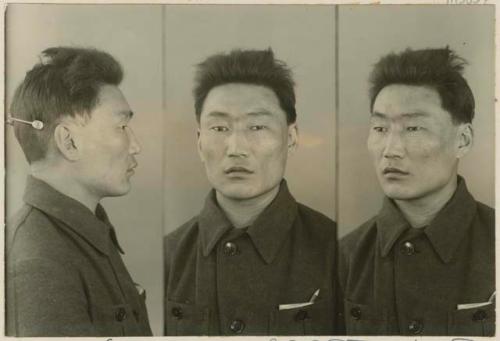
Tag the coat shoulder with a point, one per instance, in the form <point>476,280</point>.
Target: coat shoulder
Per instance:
<point>32,234</point>
<point>356,237</point>
<point>486,215</point>
<point>182,231</point>
<point>316,222</point>
<point>186,231</point>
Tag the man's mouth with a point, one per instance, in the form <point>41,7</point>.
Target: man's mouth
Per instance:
<point>132,167</point>
<point>237,170</point>
<point>394,171</point>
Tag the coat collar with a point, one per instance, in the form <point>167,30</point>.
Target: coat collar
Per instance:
<point>268,232</point>
<point>95,229</point>
<point>445,232</point>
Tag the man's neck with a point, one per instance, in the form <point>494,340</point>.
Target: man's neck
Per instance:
<point>67,185</point>
<point>420,212</point>
<point>242,213</point>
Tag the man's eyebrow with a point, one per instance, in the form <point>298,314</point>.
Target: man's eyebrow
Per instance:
<point>377,114</point>
<point>259,112</point>
<point>253,113</point>
<point>406,115</point>
<point>217,114</point>
<point>415,114</point>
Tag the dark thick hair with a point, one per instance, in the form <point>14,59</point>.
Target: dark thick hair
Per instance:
<point>440,69</point>
<point>66,82</point>
<point>257,67</point>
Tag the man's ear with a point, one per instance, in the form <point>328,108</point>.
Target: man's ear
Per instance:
<point>465,138</point>
<point>293,137</point>
<point>198,144</point>
<point>64,139</point>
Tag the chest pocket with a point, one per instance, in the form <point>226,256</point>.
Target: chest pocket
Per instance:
<point>472,322</point>
<point>186,319</point>
<point>316,319</point>
<point>362,319</point>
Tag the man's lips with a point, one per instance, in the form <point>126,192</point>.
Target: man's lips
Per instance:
<point>132,167</point>
<point>393,171</point>
<point>231,170</point>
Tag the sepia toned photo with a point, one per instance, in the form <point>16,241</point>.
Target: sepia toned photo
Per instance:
<point>77,265</point>
<point>250,246</point>
<point>287,171</point>
<point>416,170</point>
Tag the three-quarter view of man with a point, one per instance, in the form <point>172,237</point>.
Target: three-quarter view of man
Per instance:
<point>425,264</point>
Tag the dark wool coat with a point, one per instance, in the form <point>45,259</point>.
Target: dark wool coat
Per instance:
<point>226,281</point>
<point>400,280</point>
<point>65,276</point>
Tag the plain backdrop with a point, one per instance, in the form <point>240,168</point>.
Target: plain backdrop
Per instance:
<point>366,33</point>
<point>303,37</point>
<point>132,34</point>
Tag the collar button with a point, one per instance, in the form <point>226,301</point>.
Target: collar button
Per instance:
<point>230,249</point>
<point>408,249</point>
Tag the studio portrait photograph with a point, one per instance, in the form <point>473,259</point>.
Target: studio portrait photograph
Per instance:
<point>279,171</point>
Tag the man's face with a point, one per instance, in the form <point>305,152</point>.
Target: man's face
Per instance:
<point>244,140</point>
<point>107,146</point>
<point>413,142</point>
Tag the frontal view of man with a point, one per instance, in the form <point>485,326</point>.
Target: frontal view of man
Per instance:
<point>65,274</point>
<point>254,261</point>
<point>425,264</point>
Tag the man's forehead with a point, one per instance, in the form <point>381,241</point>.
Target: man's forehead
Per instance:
<point>408,101</point>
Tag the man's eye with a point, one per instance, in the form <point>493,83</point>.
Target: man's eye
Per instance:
<point>414,128</point>
<point>219,128</point>
<point>123,126</point>
<point>257,127</point>
<point>380,129</point>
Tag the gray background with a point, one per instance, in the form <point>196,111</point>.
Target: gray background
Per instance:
<point>366,33</point>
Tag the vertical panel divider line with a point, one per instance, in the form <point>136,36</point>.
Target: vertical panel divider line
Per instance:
<point>336,116</point>
<point>163,156</point>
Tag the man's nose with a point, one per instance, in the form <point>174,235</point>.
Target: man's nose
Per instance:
<point>237,144</point>
<point>394,145</point>
<point>134,146</point>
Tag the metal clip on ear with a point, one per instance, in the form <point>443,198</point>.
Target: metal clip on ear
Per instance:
<point>38,125</point>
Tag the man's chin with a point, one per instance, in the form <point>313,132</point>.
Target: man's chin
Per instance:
<point>119,191</point>
<point>238,192</point>
<point>398,192</point>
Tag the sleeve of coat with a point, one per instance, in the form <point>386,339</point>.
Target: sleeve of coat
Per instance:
<point>49,300</point>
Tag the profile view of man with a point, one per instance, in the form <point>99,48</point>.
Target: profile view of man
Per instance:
<point>254,261</point>
<point>425,264</point>
<point>65,276</point>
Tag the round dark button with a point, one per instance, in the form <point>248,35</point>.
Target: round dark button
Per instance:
<point>415,327</point>
<point>237,326</point>
<point>230,249</point>
<point>301,315</point>
<point>356,313</point>
<point>177,312</point>
<point>121,314</point>
<point>408,249</point>
<point>479,315</point>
